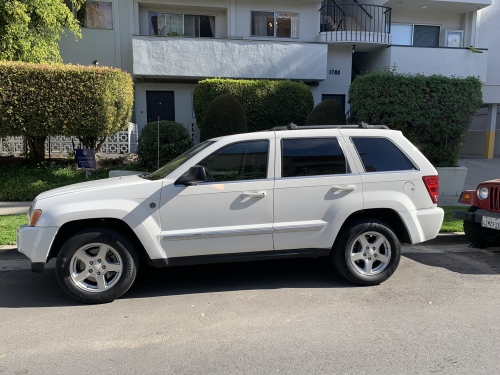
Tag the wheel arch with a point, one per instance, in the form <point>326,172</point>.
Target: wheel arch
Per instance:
<point>70,228</point>
<point>387,215</point>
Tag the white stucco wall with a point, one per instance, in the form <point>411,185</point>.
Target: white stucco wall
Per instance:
<point>95,44</point>
<point>182,102</point>
<point>339,58</point>
<point>489,36</point>
<point>202,57</point>
<point>445,61</point>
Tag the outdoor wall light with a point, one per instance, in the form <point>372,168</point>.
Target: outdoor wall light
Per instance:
<point>353,48</point>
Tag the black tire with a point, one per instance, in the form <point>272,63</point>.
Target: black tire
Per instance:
<point>479,236</point>
<point>348,244</point>
<point>118,249</point>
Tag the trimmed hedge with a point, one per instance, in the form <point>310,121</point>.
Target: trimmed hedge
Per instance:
<point>328,112</point>
<point>224,116</point>
<point>55,99</point>
<point>433,112</point>
<point>267,103</point>
<point>174,140</point>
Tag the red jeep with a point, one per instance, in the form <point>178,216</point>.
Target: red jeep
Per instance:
<point>482,220</point>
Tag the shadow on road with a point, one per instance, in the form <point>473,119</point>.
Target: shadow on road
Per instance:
<point>22,288</point>
<point>457,258</point>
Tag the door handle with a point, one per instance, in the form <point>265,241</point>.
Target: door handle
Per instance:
<point>258,194</point>
<point>343,188</point>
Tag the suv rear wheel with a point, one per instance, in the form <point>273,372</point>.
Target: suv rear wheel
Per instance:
<point>96,265</point>
<point>367,253</point>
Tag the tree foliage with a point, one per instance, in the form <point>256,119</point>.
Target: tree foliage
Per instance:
<point>224,116</point>
<point>30,29</point>
<point>328,112</point>
<point>37,100</point>
<point>267,103</point>
<point>433,112</point>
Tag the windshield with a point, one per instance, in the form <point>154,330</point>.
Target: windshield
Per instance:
<point>172,165</point>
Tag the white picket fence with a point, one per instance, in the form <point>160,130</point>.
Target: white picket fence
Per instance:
<point>123,142</point>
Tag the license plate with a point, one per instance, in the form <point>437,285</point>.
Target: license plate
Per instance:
<point>491,222</point>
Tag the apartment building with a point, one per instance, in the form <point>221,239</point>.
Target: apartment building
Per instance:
<point>169,45</point>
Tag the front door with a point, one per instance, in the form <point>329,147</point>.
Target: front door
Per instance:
<point>160,104</point>
<point>232,212</point>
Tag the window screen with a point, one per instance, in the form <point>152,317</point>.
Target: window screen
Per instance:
<point>426,36</point>
<point>311,157</point>
<point>381,155</point>
<point>239,161</point>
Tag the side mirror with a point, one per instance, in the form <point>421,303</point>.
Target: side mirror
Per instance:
<point>193,176</point>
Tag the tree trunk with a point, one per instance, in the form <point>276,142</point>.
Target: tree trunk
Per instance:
<point>36,145</point>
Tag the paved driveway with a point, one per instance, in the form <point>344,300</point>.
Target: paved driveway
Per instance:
<point>440,313</point>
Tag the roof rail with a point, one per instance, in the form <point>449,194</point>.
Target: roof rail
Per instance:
<point>361,125</point>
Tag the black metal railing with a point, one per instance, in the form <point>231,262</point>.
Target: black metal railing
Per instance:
<point>355,22</point>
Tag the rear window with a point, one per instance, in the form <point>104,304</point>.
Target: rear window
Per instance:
<point>311,157</point>
<point>381,155</point>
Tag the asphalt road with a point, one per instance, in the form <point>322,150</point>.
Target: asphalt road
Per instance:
<point>439,314</point>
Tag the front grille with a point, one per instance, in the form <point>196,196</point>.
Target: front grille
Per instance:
<point>494,198</point>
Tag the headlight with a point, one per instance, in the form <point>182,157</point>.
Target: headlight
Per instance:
<point>482,192</point>
<point>33,215</point>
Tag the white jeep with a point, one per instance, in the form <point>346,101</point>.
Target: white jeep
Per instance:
<point>351,193</point>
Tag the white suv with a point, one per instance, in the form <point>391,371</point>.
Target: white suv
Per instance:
<point>348,192</point>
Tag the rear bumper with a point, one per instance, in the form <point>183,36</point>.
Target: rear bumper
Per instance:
<point>35,243</point>
<point>476,216</point>
<point>423,225</point>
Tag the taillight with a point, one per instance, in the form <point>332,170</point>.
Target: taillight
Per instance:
<point>432,185</point>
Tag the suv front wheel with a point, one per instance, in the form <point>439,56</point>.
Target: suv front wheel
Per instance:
<point>367,253</point>
<point>96,265</point>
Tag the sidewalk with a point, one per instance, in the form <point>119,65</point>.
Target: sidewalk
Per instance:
<point>14,208</point>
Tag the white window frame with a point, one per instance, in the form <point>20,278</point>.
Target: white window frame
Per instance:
<point>447,32</point>
<point>183,15</point>
<point>275,36</point>
<point>420,24</point>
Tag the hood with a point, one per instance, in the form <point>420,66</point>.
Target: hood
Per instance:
<point>105,183</point>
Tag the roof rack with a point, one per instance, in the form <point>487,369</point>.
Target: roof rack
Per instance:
<point>361,125</point>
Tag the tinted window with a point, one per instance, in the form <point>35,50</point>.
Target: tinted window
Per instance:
<point>381,155</point>
<point>239,161</point>
<point>311,157</point>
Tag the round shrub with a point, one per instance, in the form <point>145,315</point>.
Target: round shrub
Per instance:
<point>328,112</point>
<point>224,116</point>
<point>174,140</point>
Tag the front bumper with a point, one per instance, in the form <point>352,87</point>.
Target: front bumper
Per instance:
<point>476,216</point>
<point>35,243</point>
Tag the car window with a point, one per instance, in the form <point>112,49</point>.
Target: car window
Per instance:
<point>174,164</point>
<point>311,157</point>
<point>381,155</point>
<point>238,161</point>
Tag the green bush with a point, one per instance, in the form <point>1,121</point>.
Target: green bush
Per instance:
<point>328,112</point>
<point>37,100</point>
<point>433,112</point>
<point>174,140</point>
<point>24,183</point>
<point>224,116</point>
<point>267,103</point>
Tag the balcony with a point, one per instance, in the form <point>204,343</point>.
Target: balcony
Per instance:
<point>199,58</point>
<point>459,62</point>
<point>360,23</point>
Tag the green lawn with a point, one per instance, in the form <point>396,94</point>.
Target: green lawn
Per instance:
<point>8,226</point>
<point>450,224</point>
